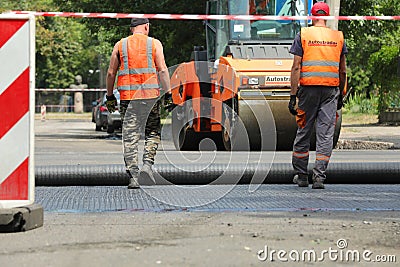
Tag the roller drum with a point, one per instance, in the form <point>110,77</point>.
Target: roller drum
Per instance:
<point>270,126</point>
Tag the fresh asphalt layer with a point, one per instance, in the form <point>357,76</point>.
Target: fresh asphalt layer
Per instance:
<point>217,198</point>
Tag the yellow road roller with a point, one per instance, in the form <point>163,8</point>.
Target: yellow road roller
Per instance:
<point>235,91</point>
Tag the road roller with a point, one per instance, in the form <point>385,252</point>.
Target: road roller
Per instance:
<point>234,92</point>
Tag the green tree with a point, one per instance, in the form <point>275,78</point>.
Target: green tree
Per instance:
<point>372,48</point>
<point>63,45</point>
<point>385,62</point>
<point>178,36</point>
<point>61,53</point>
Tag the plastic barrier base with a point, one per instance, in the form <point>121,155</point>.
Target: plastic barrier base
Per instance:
<point>21,219</point>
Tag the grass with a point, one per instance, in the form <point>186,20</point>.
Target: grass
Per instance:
<point>65,116</point>
<point>359,119</point>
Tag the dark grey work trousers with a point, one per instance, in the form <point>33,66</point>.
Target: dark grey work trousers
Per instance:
<point>317,105</point>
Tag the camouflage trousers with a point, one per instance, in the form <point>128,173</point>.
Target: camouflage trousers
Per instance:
<point>136,116</point>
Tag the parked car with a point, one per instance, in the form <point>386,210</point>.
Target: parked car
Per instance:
<point>104,119</point>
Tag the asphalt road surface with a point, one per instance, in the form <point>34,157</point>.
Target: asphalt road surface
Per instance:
<point>343,225</point>
<point>72,142</point>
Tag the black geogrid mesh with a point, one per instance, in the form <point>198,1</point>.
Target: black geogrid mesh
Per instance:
<point>268,197</point>
<point>115,175</point>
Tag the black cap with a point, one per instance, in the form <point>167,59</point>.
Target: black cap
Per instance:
<point>138,21</point>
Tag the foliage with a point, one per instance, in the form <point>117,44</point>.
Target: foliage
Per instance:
<point>385,62</point>
<point>60,53</point>
<point>63,46</point>
<point>372,49</point>
<point>39,5</point>
<point>177,36</point>
<point>358,103</point>
<point>358,78</point>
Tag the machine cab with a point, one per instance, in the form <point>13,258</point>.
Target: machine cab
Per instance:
<point>221,33</point>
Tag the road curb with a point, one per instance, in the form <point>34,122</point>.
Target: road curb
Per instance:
<point>21,219</point>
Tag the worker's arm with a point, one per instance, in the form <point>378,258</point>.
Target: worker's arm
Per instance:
<point>342,72</point>
<point>294,83</point>
<point>112,70</point>
<point>162,67</point>
<point>295,75</point>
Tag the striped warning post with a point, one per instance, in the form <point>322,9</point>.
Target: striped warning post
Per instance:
<point>17,51</point>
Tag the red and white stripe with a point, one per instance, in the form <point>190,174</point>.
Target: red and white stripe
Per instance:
<point>70,90</point>
<point>16,126</point>
<point>197,17</point>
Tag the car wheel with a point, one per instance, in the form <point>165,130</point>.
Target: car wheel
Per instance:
<point>110,128</point>
<point>98,128</point>
<point>98,125</point>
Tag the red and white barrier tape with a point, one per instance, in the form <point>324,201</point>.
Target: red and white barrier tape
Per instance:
<point>70,90</point>
<point>197,17</point>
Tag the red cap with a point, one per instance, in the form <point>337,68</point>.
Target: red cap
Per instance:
<point>320,9</point>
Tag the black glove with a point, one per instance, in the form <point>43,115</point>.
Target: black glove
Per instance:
<point>168,103</point>
<point>292,105</point>
<point>340,101</point>
<point>111,103</point>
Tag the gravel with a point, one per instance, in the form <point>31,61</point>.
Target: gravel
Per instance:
<point>364,145</point>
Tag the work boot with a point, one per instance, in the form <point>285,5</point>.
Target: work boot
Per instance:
<point>318,183</point>
<point>301,180</point>
<point>133,181</point>
<point>146,176</point>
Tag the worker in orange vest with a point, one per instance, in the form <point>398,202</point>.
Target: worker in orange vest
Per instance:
<point>137,62</point>
<point>319,66</point>
<point>258,7</point>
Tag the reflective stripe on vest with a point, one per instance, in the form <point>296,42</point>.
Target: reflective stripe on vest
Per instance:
<point>320,63</point>
<point>137,86</point>
<point>137,76</point>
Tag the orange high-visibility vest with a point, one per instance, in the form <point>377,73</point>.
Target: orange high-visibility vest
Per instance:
<point>137,74</point>
<point>321,56</point>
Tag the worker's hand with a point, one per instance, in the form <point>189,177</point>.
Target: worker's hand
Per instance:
<point>168,103</point>
<point>340,101</point>
<point>292,105</point>
<point>111,103</point>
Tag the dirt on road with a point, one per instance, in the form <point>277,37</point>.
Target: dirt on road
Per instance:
<point>208,239</point>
